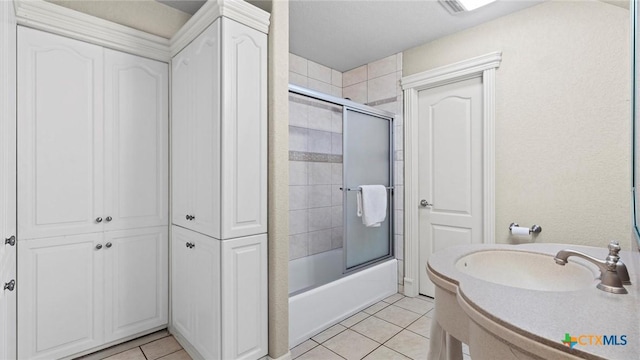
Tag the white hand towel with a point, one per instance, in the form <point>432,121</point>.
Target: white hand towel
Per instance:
<point>372,204</point>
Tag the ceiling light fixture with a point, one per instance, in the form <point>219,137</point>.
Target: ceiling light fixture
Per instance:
<point>458,6</point>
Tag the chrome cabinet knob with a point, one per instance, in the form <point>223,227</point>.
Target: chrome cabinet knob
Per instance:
<point>10,285</point>
<point>188,245</point>
<point>108,218</point>
<point>99,246</point>
<point>425,203</point>
<point>11,241</point>
<point>98,219</point>
<point>190,217</point>
<point>108,245</point>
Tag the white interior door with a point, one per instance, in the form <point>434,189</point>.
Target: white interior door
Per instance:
<point>450,169</point>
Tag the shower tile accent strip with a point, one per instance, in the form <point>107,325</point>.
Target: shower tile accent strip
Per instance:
<point>314,157</point>
<point>383,101</point>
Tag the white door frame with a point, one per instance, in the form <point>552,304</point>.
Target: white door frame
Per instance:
<point>484,67</point>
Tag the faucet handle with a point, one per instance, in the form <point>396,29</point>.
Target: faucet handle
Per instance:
<point>613,258</point>
<point>614,247</point>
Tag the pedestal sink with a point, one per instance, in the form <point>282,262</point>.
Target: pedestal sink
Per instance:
<point>527,270</point>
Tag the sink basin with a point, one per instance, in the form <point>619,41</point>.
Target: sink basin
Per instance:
<point>527,270</point>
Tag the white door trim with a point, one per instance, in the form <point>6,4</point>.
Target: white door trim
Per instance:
<point>482,66</point>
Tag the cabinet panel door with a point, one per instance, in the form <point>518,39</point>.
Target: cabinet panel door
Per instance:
<point>60,297</point>
<point>181,297</point>
<point>205,285</point>
<point>136,281</point>
<point>8,178</point>
<point>136,145</point>
<point>8,309</point>
<point>244,297</point>
<point>60,120</point>
<point>195,290</point>
<point>244,131</point>
<point>205,154</point>
<point>181,165</point>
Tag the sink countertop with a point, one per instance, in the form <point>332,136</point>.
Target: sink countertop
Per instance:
<point>547,316</point>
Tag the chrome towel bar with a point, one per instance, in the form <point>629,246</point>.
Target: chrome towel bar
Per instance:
<point>357,189</point>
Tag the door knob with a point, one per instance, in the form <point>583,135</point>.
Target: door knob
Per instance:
<point>10,285</point>
<point>99,246</point>
<point>11,241</point>
<point>425,203</point>
<point>98,219</point>
<point>108,218</point>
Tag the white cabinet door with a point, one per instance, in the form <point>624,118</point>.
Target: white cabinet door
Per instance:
<point>136,145</point>
<point>181,165</point>
<point>244,297</point>
<point>195,285</point>
<point>61,299</point>
<point>8,308</point>
<point>244,131</point>
<point>206,131</point>
<point>181,300</point>
<point>7,179</point>
<point>60,126</point>
<point>196,134</point>
<point>136,281</point>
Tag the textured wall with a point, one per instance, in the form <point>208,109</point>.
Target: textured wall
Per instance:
<point>279,180</point>
<point>562,117</point>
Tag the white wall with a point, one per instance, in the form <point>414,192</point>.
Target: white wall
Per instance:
<point>562,117</point>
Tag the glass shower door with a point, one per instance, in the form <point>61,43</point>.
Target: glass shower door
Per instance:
<point>367,160</point>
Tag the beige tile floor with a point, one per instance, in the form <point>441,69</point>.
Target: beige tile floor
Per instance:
<point>159,345</point>
<point>395,328</point>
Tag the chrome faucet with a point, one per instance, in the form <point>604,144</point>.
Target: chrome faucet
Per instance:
<point>613,272</point>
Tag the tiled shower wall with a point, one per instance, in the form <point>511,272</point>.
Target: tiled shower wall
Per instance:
<point>315,162</point>
<point>375,84</point>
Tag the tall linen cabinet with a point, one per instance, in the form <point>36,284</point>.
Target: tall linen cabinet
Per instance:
<point>219,193</point>
<point>92,194</point>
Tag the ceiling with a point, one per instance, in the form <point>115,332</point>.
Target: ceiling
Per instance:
<point>340,34</point>
<point>344,34</point>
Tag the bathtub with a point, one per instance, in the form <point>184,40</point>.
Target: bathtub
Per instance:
<point>315,310</point>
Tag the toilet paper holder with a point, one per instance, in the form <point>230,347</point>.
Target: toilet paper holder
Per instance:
<point>535,229</point>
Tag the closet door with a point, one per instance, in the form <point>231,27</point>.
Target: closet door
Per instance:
<point>136,145</point>
<point>60,132</point>
<point>61,298</point>
<point>136,281</point>
<point>244,131</point>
